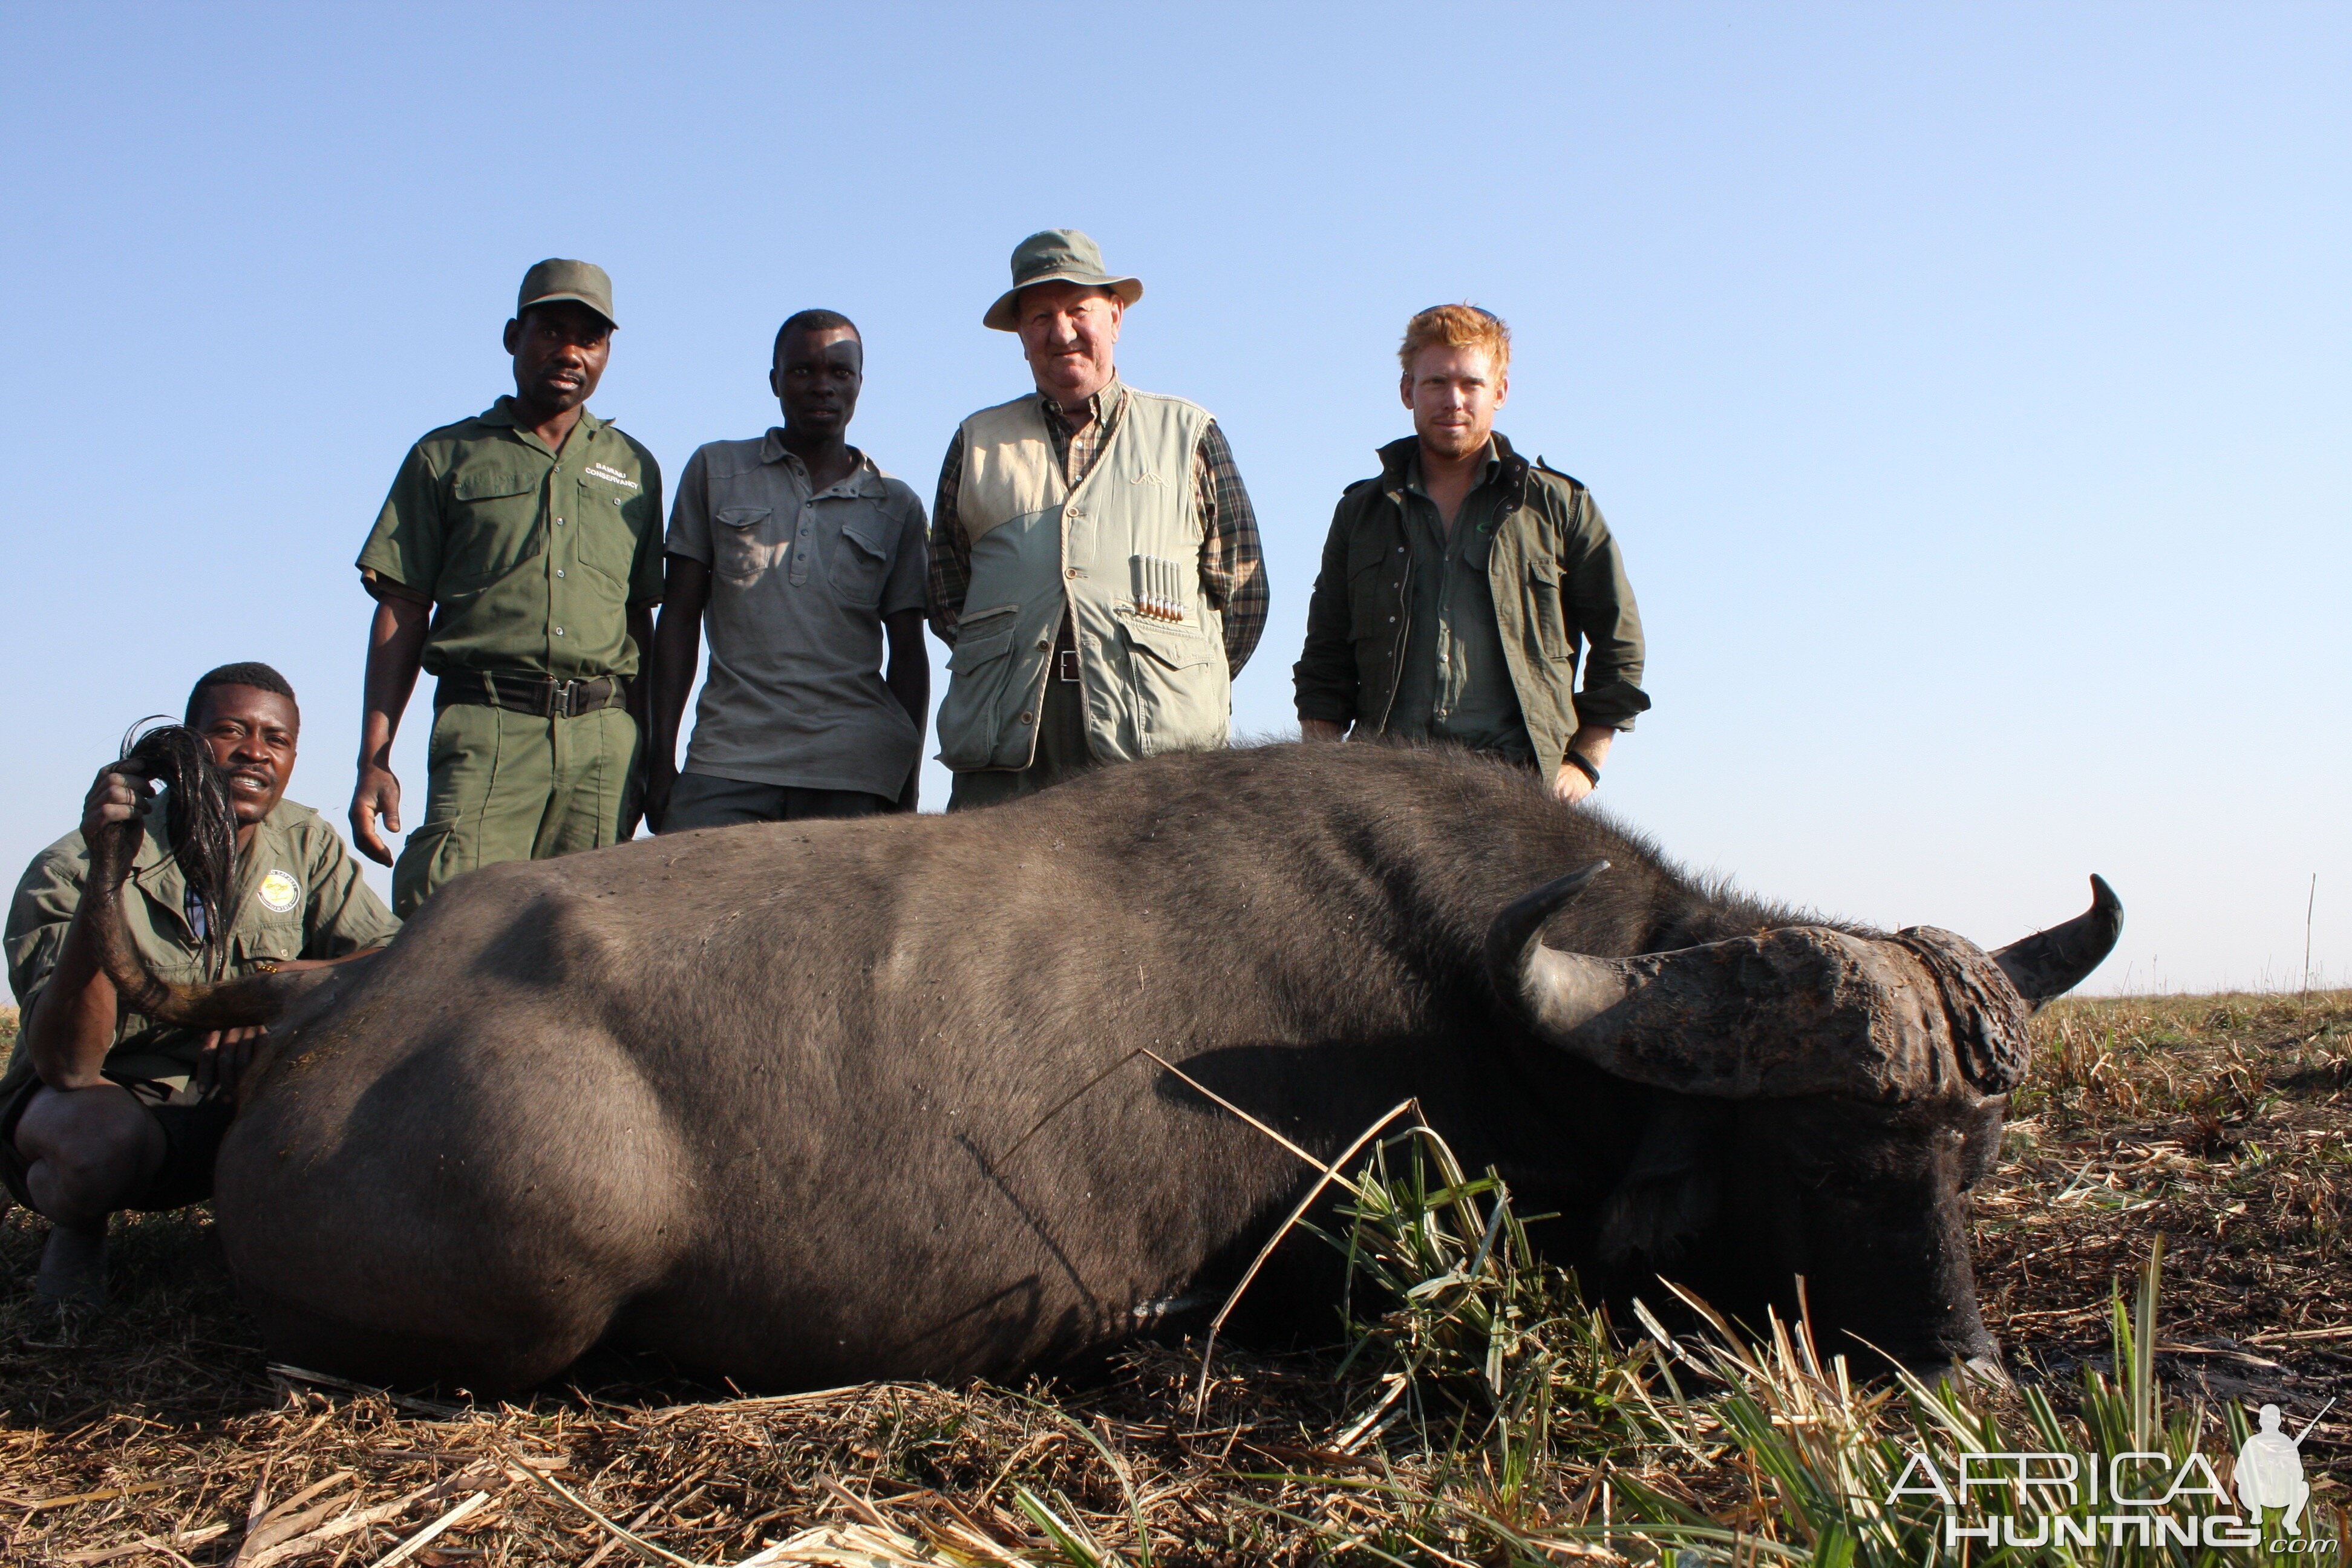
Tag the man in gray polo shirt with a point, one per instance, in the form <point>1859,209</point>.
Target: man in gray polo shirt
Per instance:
<point>802,556</point>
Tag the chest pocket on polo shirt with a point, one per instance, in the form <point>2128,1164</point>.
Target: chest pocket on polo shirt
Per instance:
<point>741,549</point>
<point>861,561</point>
<point>493,525</point>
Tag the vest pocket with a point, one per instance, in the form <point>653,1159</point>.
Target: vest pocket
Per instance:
<point>976,711</point>
<point>1182,695</point>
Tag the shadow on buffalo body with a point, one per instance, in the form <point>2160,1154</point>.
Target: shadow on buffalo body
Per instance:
<point>1735,1201</point>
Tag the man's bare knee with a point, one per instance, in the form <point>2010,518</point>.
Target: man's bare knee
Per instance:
<point>88,1151</point>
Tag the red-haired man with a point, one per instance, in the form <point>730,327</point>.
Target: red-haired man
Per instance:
<point>1460,586</point>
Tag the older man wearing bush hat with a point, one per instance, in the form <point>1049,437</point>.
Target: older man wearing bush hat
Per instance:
<point>1095,563</point>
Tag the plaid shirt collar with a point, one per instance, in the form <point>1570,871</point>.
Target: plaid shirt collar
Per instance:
<point>1078,446</point>
<point>1103,410</point>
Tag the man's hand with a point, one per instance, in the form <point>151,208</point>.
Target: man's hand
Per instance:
<point>1591,742</point>
<point>226,1054</point>
<point>378,796</point>
<point>1321,730</point>
<point>122,794</point>
<point>396,650</point>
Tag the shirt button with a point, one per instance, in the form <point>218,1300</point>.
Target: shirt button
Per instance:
<point>1078,511</point>
<point>1392,620</point>
<point>558,571</point>
<point>559,522</point>
<point>559,631</point>
<point>1399,550</point>
<point>1028,718</point>
<point>1043,647</point>
<point>1070,572</point>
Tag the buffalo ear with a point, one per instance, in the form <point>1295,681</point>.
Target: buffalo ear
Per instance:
<point>1673,1191</point>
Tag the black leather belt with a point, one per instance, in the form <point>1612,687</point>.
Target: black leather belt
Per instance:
<point>540,696</point>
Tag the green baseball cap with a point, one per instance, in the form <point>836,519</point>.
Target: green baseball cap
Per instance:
<point>1056,256</point>
<point>554,280</point>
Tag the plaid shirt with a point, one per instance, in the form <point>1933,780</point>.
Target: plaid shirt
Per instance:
<point>1232,567</point>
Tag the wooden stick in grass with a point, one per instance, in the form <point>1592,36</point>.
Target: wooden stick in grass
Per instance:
<point>1329,1175</point>
<point>416,1543</point>
<point>634,1543</point>
<point>644,1516</point>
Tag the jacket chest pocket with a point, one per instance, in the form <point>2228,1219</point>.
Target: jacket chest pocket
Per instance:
<point>861,562</point>
<point>493,525</point>
<point>741,549</point>
<point>1545,612</point>
<point>1375,586</point>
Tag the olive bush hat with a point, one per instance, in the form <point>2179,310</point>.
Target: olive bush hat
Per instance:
<point>1056,256</point>
<point>554,280</point>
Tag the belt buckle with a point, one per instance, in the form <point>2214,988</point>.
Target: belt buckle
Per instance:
<point>1067,662</point>
<point>559,704</point>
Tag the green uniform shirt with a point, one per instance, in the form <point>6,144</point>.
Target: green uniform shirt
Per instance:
<point>532,558</point>
<point>299,896</point>
<point>1455,683</point>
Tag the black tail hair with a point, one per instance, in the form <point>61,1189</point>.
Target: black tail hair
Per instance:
<point>200,820</point>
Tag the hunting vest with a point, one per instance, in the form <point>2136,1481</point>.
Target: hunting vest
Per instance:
<point>1119,555</point>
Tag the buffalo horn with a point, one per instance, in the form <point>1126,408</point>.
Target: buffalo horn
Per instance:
<point>2051,962</point>
<point>1560,991</point>
<point>1795,1010</point>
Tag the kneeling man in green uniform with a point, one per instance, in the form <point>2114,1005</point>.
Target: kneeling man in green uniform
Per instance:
<point>101,1109</point>
<point>517,559</point>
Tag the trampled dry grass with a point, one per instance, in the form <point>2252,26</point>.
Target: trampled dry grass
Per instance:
<point>156,1432</point>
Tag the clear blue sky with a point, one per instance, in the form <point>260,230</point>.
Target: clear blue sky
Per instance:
<point>1968,384</point>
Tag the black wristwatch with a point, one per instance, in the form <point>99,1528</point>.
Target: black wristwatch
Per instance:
<point>1584,765</point>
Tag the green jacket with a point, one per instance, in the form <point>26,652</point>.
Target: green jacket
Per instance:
<point>1560,588</point>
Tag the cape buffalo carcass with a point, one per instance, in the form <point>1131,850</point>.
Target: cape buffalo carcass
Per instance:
<point>814,1102</point>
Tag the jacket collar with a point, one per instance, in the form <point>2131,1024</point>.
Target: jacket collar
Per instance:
<point>1397,457</point>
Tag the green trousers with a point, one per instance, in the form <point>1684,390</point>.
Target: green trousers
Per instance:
<point>513,786</point>
<point>1062,751</point>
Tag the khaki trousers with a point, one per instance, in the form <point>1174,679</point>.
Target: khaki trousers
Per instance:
<point>514,786</point>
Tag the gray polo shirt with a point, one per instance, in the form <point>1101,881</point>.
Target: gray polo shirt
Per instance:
<point>799,584</point>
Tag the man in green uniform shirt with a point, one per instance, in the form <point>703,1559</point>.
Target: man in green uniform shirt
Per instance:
<point>518,560</point>
<point>101,1109</point>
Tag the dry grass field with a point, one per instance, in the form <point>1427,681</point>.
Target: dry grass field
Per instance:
<point>155,1432</point>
